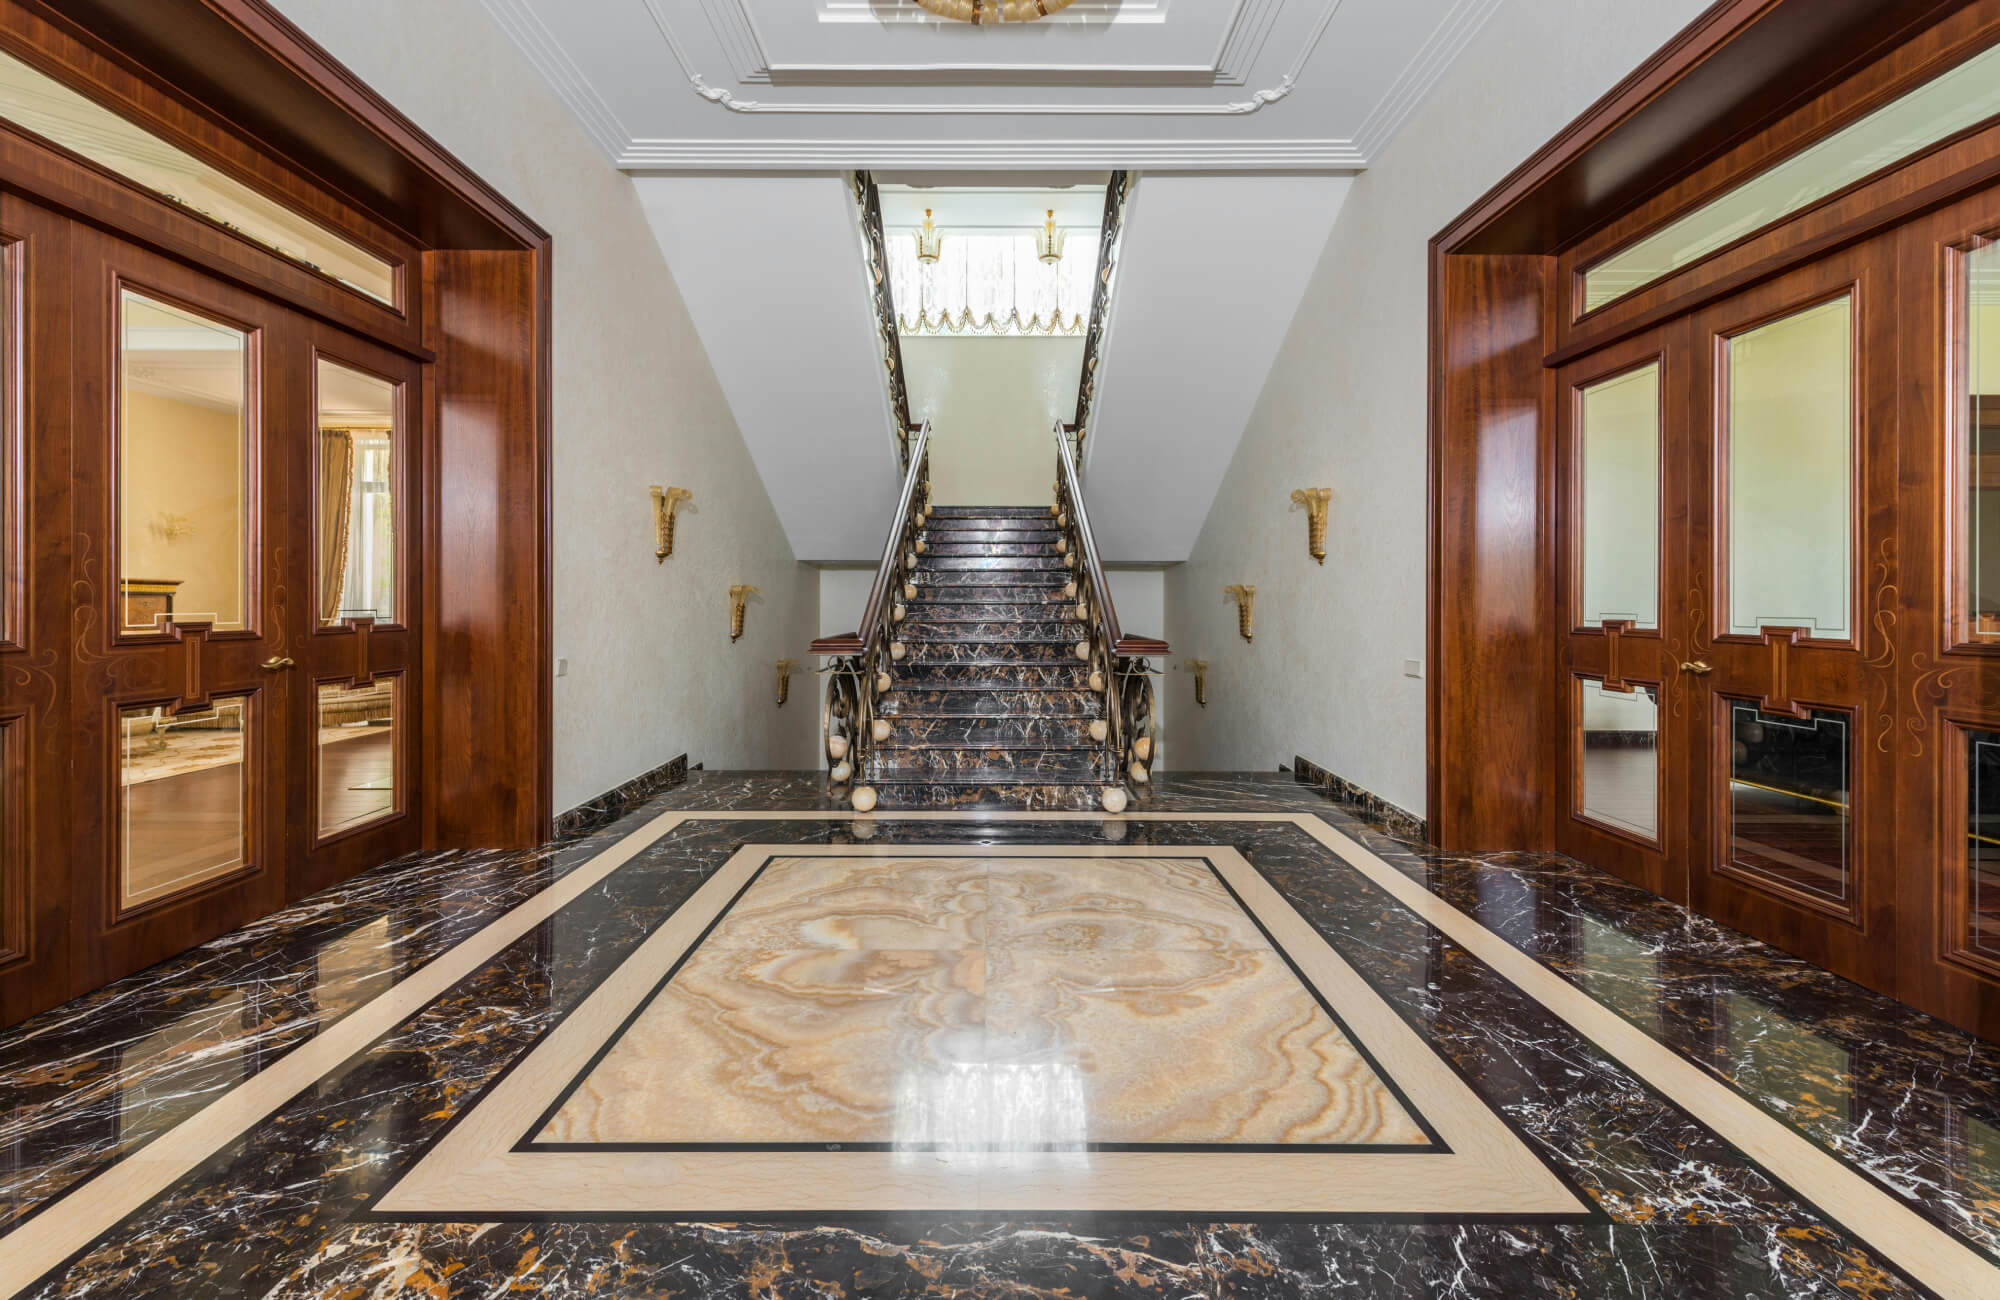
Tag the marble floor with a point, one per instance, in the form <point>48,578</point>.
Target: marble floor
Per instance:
<point>1236,1042</point>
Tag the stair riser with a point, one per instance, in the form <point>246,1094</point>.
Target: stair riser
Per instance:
<point>934,550</point>
<point>989,652</point>
<point>990,512</point>
<point>928,629</point>
<point>990,677</point>
<point>1045,705</point>
<point>948,617</point>
<point>1049,582</point>
<point>987,766</point>
<point>1015,732</point>
<point>975,536</point>
<point>1010,798</point>
<point>990,564</point>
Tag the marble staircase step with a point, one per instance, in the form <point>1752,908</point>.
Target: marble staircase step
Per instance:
<point>977,733</point>
<point>990,564</point>
<point>936,549</point>
<point>990,512</point>
<point>943,579</point>
<point>937,531</point>
<point>923,627</point>
<point>990,653</point>
<point>972,796</point>
<point>953,614</point>
<point>1046,705</point>
<point>988,766</point>
<point>990,677</point>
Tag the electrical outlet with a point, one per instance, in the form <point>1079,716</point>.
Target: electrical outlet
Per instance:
<point>562,666</point>
<point>1413,668</point>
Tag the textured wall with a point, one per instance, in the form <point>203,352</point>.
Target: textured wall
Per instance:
<point>1344,407</point>
<point>652,672</point>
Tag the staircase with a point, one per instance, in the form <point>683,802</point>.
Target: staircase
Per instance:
<point>990,670</point>
<point>989,705</point>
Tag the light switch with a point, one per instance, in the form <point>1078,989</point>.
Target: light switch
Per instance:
<point>1413,668</point>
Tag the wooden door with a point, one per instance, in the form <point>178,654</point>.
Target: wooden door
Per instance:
<point>34,609</point>
<point>1793,510</point>
<point>1622,415</point>
<point>359,724</point>
<point>189,597</point>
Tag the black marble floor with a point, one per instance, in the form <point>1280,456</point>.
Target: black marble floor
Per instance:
<point>110,1082</point>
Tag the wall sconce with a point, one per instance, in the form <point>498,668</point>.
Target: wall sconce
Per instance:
<point>664,501</point>
<point>786,667</point>
<point>738,596</point>
<point>1314,500</point>
<point>1199,667</point>
<point>1245,597</point>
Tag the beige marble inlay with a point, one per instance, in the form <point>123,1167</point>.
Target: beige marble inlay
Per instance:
<point>1122,1000</point>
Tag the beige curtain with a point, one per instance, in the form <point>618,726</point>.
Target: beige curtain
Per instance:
<point>336,508</point>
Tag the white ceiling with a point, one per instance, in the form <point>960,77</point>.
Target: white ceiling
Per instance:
<point>1192,84</point>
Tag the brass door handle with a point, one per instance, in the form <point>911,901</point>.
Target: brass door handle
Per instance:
<point>273,665</point>
<point>1697,667</point>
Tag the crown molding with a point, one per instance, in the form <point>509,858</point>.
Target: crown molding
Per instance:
<point>736,30</point>
<point>539,46</point>
<point>1454,32</point>
<point>983,155</point>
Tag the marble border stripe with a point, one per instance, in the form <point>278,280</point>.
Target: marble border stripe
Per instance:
<point>100,1203</point>
<point>1923,1251</point>
<point>480,1170</point>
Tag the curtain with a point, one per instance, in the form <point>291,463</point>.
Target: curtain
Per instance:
<point>336,504</point>
<point>992,283</point>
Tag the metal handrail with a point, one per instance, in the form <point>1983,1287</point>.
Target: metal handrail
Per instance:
<point>854,643</point>
<point>1107,614</point>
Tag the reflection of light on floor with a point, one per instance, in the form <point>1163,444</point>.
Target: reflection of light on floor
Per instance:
<point>1001,1115</point>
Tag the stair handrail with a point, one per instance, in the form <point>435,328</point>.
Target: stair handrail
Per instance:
<point>1118,661</point>
<point>860,659</point>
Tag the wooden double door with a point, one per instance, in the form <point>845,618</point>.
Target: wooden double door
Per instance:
<point>1778,534</point>
<point>209,701</point>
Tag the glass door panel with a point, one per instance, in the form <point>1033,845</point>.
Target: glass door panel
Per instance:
<point>1979,564</point>
<point>1788,799</point>
<point>1790,439</point>
<point>356,755</point>
<point>1982,842</point>
<point>1619,768</point>
<point>184,793</point>
<point>183,428</point>
<point>1619,451</point>
<point>355,494</point>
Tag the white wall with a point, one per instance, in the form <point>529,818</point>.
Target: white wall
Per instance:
<point>652,672</point>
<point>1344,407</point>
<point>991,403</point>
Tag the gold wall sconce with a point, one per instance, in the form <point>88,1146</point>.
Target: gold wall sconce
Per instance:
<point>1199,667</point>
<point>1245,598</point>
<point>1314,500</point>
<point>664,501</point>
<point>739,595</point>
<point>786,667</point>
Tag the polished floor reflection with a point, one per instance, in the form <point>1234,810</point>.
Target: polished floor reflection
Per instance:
<point>1612,1097</point>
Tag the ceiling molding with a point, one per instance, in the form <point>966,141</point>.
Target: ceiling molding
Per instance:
<point>547,56</point>
<point>976,155</point>
<point>736,30</point>
<point>1453,34</point>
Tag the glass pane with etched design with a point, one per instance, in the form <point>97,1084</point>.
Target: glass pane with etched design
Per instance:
<point>1789,440</point>
<point>183,386</point>
<point>1980,556</point>
<point>356,524</point>
<point>1982,841</point>
<point>1789,818</point>
<point>357,754</point>
<point>183,797</point>
<point>1619,783</point>
<point>1619,448</point>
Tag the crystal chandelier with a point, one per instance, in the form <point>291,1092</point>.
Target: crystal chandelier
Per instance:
<point>983,12</point>
<point>1049,240</point>
<point>929,240</point>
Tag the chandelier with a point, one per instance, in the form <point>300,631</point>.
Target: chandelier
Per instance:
<point>981,13</point>
<point>1049,240</point>
<point>929,241</point>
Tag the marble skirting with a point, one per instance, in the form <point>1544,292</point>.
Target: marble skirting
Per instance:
<point>595,814</point>
<point>1370,805</point>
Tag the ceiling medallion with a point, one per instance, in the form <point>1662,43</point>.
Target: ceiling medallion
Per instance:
<point>980,13</point>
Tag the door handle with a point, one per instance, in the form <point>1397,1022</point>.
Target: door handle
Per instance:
<point>1697,667</point>
<point>273,665</point>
